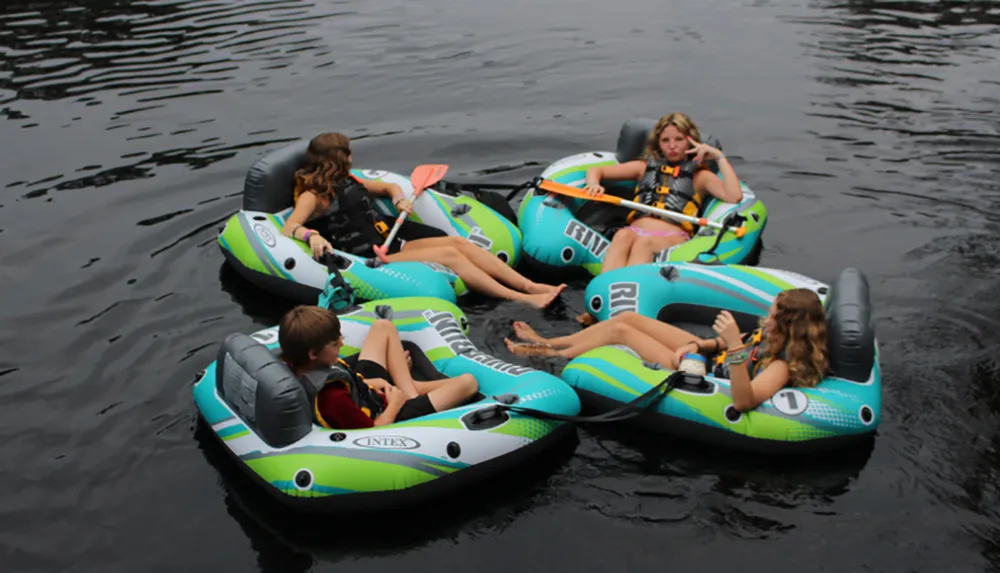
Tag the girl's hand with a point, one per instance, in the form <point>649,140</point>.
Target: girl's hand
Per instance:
<point>703,151</point>
<point>725,325</point>
<point>594,189</point>
<point>319,246</point>
<point>689,348</point>
<point>404,205</point>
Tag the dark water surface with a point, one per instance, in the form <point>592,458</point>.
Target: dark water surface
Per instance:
<point>869,128</point>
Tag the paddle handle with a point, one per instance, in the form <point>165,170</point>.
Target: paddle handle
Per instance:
<point>383,249</point>
<point>395,228</point>
<point>562,188</point>
<point>700,221</point>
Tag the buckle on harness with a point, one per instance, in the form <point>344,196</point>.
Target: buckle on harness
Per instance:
<point>382,228</point>
<point>674,171</point>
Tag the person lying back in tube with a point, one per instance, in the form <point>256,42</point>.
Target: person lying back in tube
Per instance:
<point>333,207</point>
<point>790,347</point>
<point>672,175</point>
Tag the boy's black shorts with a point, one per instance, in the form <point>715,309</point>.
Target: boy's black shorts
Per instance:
<point>412,408</point>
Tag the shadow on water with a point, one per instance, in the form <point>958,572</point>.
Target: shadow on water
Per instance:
<point>285,541</point>
<point>266,310</point>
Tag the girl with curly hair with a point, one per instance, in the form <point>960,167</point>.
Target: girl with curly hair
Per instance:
<point>790,348</point>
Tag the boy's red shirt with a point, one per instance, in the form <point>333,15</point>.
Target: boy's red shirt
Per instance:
<point>335,405</point>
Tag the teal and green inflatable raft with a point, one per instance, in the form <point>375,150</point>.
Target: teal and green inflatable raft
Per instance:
<point>563,234</point>
<point>844,408</point>
<point>259,411</point>
<point>252,243</point>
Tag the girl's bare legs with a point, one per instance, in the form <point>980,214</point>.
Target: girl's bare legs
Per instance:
<point>602,334</point>
<point>476,279</point>
<point>383,346</point>
<point>486,261</point>
<point>645,248</point>
<point>618,252</point>
<point>669,335</point>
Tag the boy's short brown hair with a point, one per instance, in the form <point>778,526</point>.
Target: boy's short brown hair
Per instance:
<point>306,328</point>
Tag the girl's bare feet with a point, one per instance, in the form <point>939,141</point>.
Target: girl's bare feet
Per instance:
<point>543,300</point>
<point>525,332</point>
<point>530,348</point>
<point>532,287</point>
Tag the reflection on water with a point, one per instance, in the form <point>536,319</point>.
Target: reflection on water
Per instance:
<point>155,50</point>
<point>649,480</point>
<point>910,92</point>
<point>123,62</point>
<point>911,88</point>
<point>286,541</point>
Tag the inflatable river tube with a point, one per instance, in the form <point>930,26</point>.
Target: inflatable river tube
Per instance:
<point>844,408</point>
<point>251,240</point>
<point>261,415</point>
<point>562,233</point>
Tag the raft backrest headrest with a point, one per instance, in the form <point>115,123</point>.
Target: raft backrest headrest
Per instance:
<point>270,183</point>
<point>635,132</point>
<point>262,391</point>
<point>851,332</point>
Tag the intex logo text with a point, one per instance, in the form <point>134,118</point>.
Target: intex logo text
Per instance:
<point>387,442</point>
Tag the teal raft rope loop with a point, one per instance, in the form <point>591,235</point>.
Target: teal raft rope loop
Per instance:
<point>338,294</point>
<point>731,221</point>
<point>626,411</point>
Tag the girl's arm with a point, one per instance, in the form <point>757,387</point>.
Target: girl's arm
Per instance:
<point>727,189</point>
<point>748,394</point>
<point>627,170</point>
<point>304,207</point>
<point>399,201</point>
<point>382,188</point>
<point>295,228</point>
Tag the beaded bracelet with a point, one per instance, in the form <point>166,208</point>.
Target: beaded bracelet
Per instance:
<point>737,357</point>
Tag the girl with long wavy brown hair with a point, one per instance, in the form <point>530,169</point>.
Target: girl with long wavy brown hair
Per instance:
<point>790,348</point>
<point>325,190</point>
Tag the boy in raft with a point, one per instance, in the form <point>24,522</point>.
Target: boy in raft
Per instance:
<point>380,389</point>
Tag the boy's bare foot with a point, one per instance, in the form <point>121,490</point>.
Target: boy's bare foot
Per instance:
<point>586,319</point>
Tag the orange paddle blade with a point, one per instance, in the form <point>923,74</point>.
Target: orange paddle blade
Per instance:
<point>570,191</point>
<point>424,176</point>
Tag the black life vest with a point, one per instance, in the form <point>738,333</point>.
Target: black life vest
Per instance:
<point>364,396</point>
<point>754,341</point>
<point>669,187</point>
<point>351,223</point>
